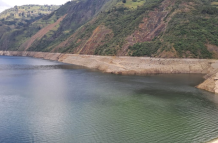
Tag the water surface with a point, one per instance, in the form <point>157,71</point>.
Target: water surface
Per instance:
<point>45,101</point>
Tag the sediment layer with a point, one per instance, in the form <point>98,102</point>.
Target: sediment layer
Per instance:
<point>134,65</point>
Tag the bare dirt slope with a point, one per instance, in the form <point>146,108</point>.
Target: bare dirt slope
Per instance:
<point>40,34</point>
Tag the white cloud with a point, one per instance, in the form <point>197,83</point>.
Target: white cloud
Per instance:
<point>4,4</point>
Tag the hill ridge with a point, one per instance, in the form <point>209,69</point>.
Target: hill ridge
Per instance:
<point>152,28</point>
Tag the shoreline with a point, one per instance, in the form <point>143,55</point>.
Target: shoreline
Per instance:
<point>213,141</point>
<point>125,65</point>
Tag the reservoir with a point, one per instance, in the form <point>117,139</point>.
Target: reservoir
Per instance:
<point>52,102</point>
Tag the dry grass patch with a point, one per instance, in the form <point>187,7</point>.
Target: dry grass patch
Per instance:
<point>131,4</point>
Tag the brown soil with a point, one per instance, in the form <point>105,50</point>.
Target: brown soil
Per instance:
<point>213,49</point>
<point>151,26</point>
<point>26,45</point>
<point>69,40</point>
<point>97,39</point>
<point>168,54</point>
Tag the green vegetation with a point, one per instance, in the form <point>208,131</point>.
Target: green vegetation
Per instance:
<point>189,26</point>
<point>85,11</point>
<point>23,15</point>
<point>19,12</point>
<point>123,22</point>
<point>19,23</point>
<point>132,4</point>
<point>187,32</point>
<point>145,49</point>
<point>193,34</point>
<point>193,30</point>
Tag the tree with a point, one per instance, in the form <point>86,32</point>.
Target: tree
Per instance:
<point>124,1</point>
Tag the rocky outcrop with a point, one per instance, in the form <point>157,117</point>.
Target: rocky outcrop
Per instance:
<point>135,65</point>
<point>208,84</point>
<point>211,79</point>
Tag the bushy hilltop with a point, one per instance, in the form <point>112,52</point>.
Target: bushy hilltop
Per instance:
<point>18,12</point>
<point>19,17</point>
<point>157,28</point>
<point>22,15</point>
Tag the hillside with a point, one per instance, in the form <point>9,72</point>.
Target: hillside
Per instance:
<point>25,11</point>
<point>50,29</point>
<point>23,15</point>
<point>20,17</point>
<point>157,28</point>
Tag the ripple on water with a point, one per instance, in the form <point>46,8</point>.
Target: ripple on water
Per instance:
<point>42,101</point>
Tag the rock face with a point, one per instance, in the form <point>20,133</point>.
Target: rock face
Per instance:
<point>211,82</point>
<point>208,84</point>
<point>135,65</point>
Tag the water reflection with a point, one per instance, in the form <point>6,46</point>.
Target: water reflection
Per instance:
<point>44,101</point>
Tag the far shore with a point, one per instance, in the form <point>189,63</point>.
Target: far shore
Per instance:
<point>125,65</point>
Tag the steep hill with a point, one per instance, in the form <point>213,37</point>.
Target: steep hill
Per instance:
<point>50,29</point>
<point>20,17</point>
<point>157,28</point>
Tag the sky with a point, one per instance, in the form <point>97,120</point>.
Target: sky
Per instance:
<point>5,4</point>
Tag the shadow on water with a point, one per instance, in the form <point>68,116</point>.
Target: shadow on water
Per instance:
<point>44,101</point>
<point>39,67</point>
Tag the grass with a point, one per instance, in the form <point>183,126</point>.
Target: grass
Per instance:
<point>214,3</point>
<point>131,4</point>
<point>24,11</point>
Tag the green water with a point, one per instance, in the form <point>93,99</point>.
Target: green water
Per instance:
<point>44,101</point>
